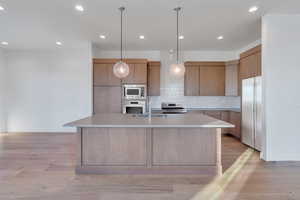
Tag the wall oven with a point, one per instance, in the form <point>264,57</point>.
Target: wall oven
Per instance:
<point>134,107</point>
<point>134,91</point>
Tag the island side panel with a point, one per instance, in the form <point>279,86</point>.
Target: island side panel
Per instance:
<point>79,148</point>
<point>114,147</point>
<point>219,151</point>
<point>184,147</point>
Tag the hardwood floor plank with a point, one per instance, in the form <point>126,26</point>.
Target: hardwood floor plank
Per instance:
<point>35,166</point>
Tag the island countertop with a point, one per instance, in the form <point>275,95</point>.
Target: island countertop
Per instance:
<point>116,120</point>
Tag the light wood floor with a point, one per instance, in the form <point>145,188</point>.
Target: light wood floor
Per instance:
<point>41,167</point>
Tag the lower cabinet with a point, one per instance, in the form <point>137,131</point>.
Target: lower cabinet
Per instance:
<point>188,147</point>
<point>214,114</point>
<point>149,151</point>
<point>114,146</point>
<point>225,116</point>
<point>235,118</point>
<point>230,117</point>
<point>107,99</point>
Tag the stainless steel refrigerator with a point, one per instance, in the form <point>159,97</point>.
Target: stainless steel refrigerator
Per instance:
<point>252,124</point>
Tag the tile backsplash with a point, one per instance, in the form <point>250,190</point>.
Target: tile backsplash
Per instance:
<point>198,101</point>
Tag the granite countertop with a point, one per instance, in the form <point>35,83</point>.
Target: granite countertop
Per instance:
<point>188,120</point>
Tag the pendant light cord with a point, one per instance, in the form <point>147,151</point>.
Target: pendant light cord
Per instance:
<point>177,38</point>
<point>177,31</point>
<point>122,10</point>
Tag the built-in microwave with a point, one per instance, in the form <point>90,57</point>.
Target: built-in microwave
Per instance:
<point>134,91</point>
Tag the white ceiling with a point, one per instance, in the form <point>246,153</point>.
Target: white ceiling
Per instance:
<point>40,23</point>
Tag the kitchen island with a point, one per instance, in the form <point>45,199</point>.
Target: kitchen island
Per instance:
<point>139,144</point>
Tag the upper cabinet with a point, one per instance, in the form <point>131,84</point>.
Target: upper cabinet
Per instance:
<point>232,78</point>
<point>212,80</point>
<point>191,80</point>
<point>154,78</point>
<point>137,73</point>
<point>103,72</point>
<point>259,63</point>
<point>250,63</point>
<point>103,75</point>
<point>204,79</point>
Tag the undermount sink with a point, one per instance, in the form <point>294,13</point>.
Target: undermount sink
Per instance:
<point>148,115</point>
<point>162,115</point>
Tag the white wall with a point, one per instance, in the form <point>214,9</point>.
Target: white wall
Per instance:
<point>281,72</point>
<point>48,88</point>
<point>2,91</point>
<point>172,88</point>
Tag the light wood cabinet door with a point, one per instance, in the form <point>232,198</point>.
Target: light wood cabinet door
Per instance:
<point>212,81</point>
<point>214,113</point>
<point>114,146</point>
<point>191,81</point>
<point>232,78</point>
<point>258,70</point>
<point>249,66</point>
<point>235,118</point>
<point>107,100</point>
<point>140,73</point>
<point>103,75</point>
<point>154,80</point>
<point>225,116</point>
<point>186,147</point>
<point>137,74</point>
<point>130,77</point>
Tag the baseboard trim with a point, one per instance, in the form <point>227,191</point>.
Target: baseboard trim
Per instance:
<point>38,132</point>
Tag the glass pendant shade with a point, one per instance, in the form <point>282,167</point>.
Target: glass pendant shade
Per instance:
<point>177,69</point>
<point>121,69</point>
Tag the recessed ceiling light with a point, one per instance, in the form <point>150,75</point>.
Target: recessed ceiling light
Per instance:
<point>253,9</point>
<point>1,8</point>
<point>220,37</point>
<point>102,37</point>
<point>79,8</point>
<point>4,43</point>
<point>142,37</point>
<point>59,43</point>
<point>181,37</point>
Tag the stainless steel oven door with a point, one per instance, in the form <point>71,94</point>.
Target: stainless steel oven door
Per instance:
<point>134,110</point>
<point>134,107</point>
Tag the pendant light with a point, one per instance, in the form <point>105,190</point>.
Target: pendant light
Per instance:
<point>121,69</point>
<point>178,68</point>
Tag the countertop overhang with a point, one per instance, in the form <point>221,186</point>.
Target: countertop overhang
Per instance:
<point>116,120</point>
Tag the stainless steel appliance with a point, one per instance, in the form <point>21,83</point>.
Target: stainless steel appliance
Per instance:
<point>134,107</point>
<point>173,108</point>
<point>134,91</point>
<point>252,121</point>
